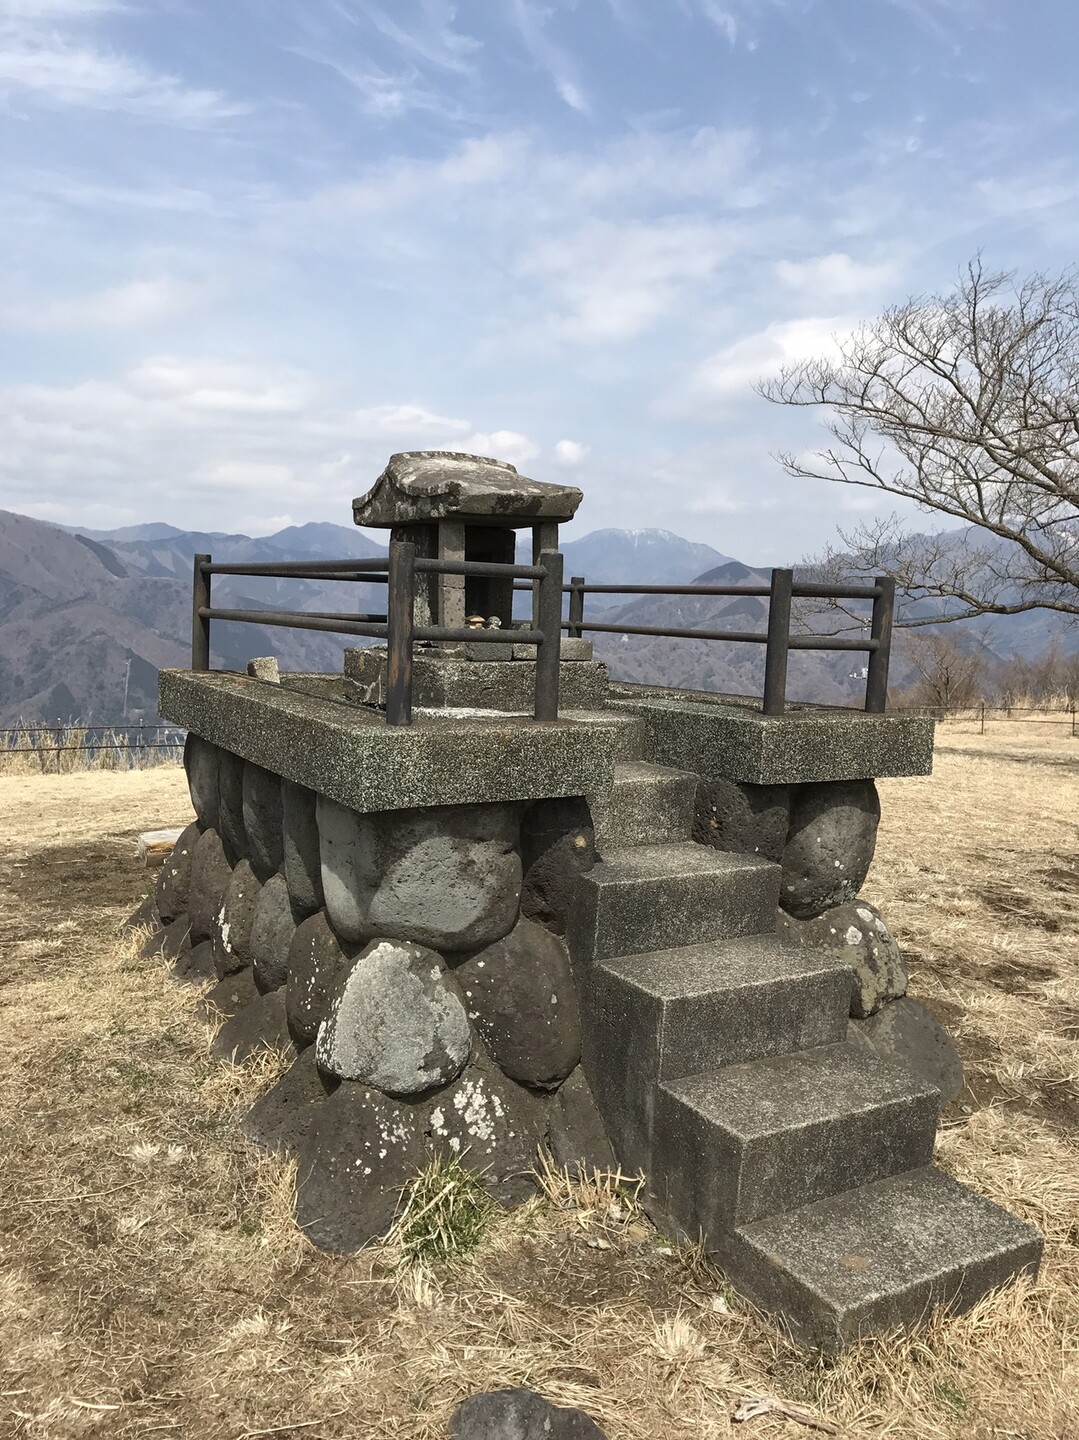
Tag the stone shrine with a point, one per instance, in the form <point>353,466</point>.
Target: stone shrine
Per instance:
<point>632,935</point>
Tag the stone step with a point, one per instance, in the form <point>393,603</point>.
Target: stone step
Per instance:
<point>733,1145</point>
<point>653,897</point>
<point>878,1257</point>
<point>674,1013</point>
<point>649,805</point>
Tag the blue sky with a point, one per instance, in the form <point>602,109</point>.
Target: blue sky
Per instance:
<point>251,247</point>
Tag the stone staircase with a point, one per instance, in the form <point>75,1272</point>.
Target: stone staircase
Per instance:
<point>719,1059</point>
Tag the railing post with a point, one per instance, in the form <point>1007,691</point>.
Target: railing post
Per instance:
<point>876,683</point>
<point>200,624</point>
<point>779,630</point>
<point>549,654</point>
<point>400,624</point>
<point>576,606</point>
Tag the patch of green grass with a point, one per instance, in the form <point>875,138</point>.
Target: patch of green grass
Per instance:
<point>950,1397</point>
<point>445,1215</point>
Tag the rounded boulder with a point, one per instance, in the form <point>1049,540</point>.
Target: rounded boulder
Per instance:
<point>210,876</point>
<point>201,760</point>
<point>519,994</point>
<point>230,800</point>
<point>316,961</point>
<point>272,929</point>
<point>232,924</point>
<point>448,877</point>
<point>752,819</point>
<point>829,849</point>
<point>393,1022</point>
<point>174,881</point>
<point>262,819</point>
<point>858,934</point>
<point>299,837</point>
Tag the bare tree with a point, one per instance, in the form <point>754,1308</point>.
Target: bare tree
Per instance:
<point>947,677</point>
<point>966,403</point>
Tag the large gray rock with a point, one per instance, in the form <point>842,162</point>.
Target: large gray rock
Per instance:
<point>302,862</point>
<point>283,1116</point>
<point>829,850</point>
<point>174,881</point>
<point>194,964</point>
<point>145,913</point>
<point>577,1136</point>
<point>168,941</point>
<point>228,997</point>
<point>259,1026</point>
<point>752,819</point>
<point>272,930</point>
<point>519,1415</point>
<point>230,800</point>
<point>262,819</point>
<point>232,924</point>
<point>519,994</point>
<point>393,1022</point>
<point>210,876</point>
<point>316,962</point>
<point>425,485</point>
<point>907,1031</point>
<point>360,1150</point>
<point>201,760</point>
<point>363,1146</point>
<point>558,843</point>
<point>448,877</point>
<point>857,933</point>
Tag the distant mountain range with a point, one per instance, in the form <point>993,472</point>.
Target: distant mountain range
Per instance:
<point>87,617</point>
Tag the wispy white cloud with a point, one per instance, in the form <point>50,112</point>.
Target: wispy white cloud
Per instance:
<point>531,21</point>
<point>836,277</point>
<point>48,56</point>
<point>570,453</point>
<point>428,35</point>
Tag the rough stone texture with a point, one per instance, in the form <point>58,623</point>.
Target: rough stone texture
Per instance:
<point>282,1118</point>
<point>519,1415</point>
<point>425,485</point>
<point>392,1021</point>
<point>230,799</point>
<point>732,815</point>
<point>210,876</point>
<point>272,930</point>
<point>519,994</point>
<point>300,730</point>
<point>302,862</point>
<point>144,913</point>
<point>264,667</point>
<point>919,1240</point>
<point>260,1025</point>
<point>194,965</point>
<point>448,877</point>
<point>201,761</point>
<point>907,1031</point>
<point>262,820</point>
<point>577,1137</point>
<point>558,843</point>
<point>174,881</point>
<point>316,961</point>
<point>486,684</point>
<point>229,996</point>
<point>359,1152</point>
<point>232,923</point>
<point>363,1147</point>
<point>830,845</point>
<point>856,932</point>
<point>168,941</point>
<point>728,735</point>
<point>649,805</point>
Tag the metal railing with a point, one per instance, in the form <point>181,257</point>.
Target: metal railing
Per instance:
<point>778,638</point>
<point>398,626</point>
<point>400,631</point>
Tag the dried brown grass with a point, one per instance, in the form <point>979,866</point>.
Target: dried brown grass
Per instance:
<point>152,1281</point>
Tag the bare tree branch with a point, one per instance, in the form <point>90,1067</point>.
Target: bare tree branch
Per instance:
<point>967,404</point>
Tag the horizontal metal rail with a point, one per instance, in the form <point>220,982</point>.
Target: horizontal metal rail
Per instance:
<point>299,569</point>
<point>297,620</point>
<point>480,567</point>
<point>796,642</point>
<point>484,636</point>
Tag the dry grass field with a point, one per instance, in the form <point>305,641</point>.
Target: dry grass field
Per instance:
<point>152,1283</point>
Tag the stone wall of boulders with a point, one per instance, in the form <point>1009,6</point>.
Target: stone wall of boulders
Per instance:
<point>824,836</point>
<point>411,961</point>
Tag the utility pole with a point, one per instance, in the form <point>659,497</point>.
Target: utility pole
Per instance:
<point>127,682</point>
